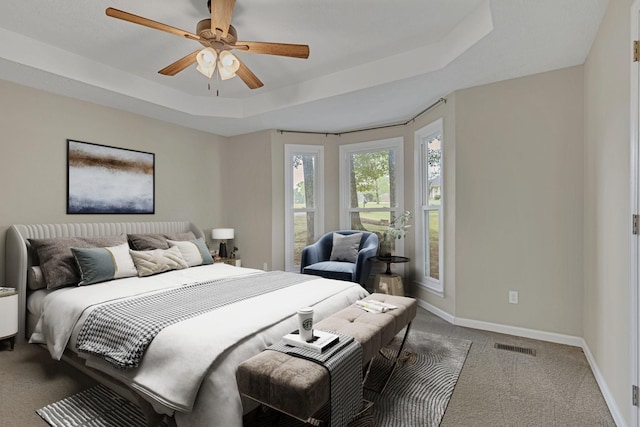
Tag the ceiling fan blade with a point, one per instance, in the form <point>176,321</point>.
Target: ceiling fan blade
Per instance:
<point>221,13</point>
<point>179,65</point>
<point>280,49</point>
<point>129,17</point>
<point>248,77</point>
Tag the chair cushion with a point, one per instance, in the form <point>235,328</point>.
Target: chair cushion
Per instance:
<point>345,247</point>
<point>332,270</point>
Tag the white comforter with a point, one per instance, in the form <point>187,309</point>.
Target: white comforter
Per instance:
<point>190,366</point>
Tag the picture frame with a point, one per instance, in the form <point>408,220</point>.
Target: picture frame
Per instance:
<point>109,180</point>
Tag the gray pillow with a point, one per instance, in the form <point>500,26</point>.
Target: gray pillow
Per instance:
<point>188,235</point>
<point>345,247</point>
<point>57,262</point>
<point>35,278</point>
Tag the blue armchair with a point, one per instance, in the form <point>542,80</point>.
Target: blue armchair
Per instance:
<point>316,258</point>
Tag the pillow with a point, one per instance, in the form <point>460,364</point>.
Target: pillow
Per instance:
<point>35,278</point>
<point>57,262</point>
<point>151,241</point>
<point>345,247</point>
<point>157,261</point>
<point>194,252</point>
<point>181,236</point>
<point>102,264</point>
<point>147,242</point>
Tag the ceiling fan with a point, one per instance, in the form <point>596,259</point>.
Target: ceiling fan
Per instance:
<point>218,37</point>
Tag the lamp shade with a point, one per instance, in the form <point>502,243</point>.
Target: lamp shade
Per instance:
<point>229,64</point>
<point>222,233</point>
<point>206,59</point>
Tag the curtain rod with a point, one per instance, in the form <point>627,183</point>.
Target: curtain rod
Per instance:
<point>411,120</point>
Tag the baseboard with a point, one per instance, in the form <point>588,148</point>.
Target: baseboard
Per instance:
<point>520,332</point>
<point>438,312</point>
<point>604,389</point>
<point>542,336</point>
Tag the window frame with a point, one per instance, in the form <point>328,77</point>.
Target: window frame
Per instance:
<point>421,138</point>
<point>291,150</point>
<point>397,144</point>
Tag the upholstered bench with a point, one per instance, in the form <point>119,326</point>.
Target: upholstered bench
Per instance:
<point>300,387</point>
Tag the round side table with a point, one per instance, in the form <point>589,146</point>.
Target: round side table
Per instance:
<point>389,282</point>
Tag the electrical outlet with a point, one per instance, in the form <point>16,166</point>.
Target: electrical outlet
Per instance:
<point>513,297</point>
<point>265,266</point>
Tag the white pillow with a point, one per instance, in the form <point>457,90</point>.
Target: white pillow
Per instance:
<point>157,261</point>
<point>194,252</point>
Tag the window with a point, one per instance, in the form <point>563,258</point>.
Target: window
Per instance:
<point>372,186</point>
<point>429,206</point>
<point>304,200</point>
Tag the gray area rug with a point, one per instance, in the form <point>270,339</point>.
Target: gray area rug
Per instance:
<point>422,385</point>
<point>95,407</point>
<point>416,396</point>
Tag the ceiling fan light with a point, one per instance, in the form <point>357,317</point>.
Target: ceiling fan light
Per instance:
<point>225,73</point>
<point>206,71</point>
<point>229,62</point>
<point>207,57</point>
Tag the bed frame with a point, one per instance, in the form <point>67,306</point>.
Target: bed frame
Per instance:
<point>18,256</point>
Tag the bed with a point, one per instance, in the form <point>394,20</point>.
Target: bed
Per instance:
<point>188,369</point>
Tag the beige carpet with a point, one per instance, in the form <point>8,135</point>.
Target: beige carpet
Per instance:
<point>496,387</point>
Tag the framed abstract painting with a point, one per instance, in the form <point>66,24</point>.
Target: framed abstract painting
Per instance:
<point>109,180</point>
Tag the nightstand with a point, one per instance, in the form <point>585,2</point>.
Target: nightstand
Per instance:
<point>231,261</point>
<point>8,315</point>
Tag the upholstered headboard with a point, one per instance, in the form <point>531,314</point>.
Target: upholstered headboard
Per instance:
<point>18,257</point>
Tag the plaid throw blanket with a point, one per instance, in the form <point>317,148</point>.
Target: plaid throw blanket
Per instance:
<point>120,332</point>
<point>344,363</point>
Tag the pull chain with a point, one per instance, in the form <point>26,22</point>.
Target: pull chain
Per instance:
<point>217,82</point>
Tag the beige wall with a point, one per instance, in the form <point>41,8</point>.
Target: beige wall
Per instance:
<point>607,202</point>
<point>519,148</point>
<point>33,161</point>
<point>246,175</point>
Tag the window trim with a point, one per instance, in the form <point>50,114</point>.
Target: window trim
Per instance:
<point>289,151</point>
<point>422,279</point>
<point>396,143</point>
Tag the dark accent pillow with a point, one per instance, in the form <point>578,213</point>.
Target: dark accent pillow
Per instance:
<point>345,247</point>
<point>151,241</point>
<point>147,242</point>
<point>56,259</point>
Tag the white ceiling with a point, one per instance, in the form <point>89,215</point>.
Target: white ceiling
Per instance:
<point>372,62</point>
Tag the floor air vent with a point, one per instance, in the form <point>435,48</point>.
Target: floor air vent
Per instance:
<point>523,350</point>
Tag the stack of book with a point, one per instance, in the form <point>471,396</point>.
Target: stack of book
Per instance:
<point>320,342</point>
<point>5,291</point>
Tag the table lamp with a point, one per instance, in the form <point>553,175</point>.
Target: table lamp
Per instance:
<point>222,234</point>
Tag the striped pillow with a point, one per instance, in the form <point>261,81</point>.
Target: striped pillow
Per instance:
<point>102,264</point>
